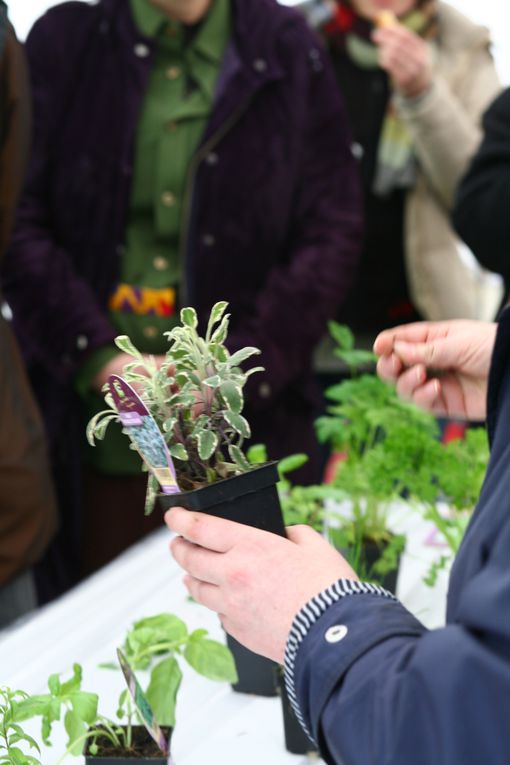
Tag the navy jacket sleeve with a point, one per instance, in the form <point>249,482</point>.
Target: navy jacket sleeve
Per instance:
<point>483,199</point>
<point>373,686</point>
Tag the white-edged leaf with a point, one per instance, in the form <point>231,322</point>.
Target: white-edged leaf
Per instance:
<point>189,317</point>
<point>239,423</point>
<point>179,452</point>
<point>238,357</point>
<point>124,343</point>
<point>213,382</point>
<point>220,334</point>
<point>95,423</point>
<point>207,442</point>
<point>232,395</point>
<point>216,315</point>
<point>238,457</point>
<point>169,424</point>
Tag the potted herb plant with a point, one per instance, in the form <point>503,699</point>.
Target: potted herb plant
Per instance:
<point>196,399</point>
<point>157,645</point>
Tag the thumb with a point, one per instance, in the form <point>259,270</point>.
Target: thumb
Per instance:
<point>303,535</point>
<point>439,354</point>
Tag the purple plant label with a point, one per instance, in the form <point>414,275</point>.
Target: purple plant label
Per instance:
<point>142,705</point>
<point>141,428</point>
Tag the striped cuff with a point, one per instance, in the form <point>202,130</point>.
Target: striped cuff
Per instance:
<point>306,618</point>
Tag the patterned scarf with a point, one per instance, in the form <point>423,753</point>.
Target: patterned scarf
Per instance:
<point>350,33</point>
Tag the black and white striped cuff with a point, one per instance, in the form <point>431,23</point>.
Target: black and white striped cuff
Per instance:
<point>311,613</point>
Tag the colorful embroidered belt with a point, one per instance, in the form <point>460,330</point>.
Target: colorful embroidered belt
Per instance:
<point>143,301</point>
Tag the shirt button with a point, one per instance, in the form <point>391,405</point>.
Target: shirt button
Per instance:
<point>168,199</point>
<point>336,633</point>
<point>264,390</point>
<point>150,332</point>
<point>160,263</point>
<point>141,50</point>
<point>82,342</point>
<point>173,72</point>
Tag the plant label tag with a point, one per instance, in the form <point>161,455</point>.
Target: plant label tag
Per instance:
<point>141,428</point>
<point>141,703</point>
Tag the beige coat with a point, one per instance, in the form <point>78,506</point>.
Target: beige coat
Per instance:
<point>445,124</point>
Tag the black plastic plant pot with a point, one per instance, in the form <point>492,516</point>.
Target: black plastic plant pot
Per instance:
<point>296,740</point>
<point>250,498</point>
<point>144,751</point>
<point>256,674</point>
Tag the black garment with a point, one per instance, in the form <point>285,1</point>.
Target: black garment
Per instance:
<point>482,211</point>
<point>380,297</point>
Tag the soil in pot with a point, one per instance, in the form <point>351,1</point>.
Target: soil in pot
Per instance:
<point>296,740</point>
<point>144,750</point>
<point>250,498</point>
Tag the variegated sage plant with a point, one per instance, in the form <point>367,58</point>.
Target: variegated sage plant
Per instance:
<point>196,398</point>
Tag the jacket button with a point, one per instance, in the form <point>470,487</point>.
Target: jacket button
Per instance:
<point>141,50</point>
<point>336,633</point>
<point>208,240</point>
<point>212,158</point>
<point>260,65</point>
<point>357,150</point>
<point>82,342</point>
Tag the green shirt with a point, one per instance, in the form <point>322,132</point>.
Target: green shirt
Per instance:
<point>175,112</point>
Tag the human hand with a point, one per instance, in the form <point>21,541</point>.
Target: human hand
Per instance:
<point>406,58</point>
<point>116,367</point>
<point>460,351</point>
<point>256,581</point>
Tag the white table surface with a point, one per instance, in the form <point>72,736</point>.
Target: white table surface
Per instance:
<point>214,724</point>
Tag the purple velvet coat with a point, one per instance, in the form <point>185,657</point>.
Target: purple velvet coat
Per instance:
<point>273,222</point>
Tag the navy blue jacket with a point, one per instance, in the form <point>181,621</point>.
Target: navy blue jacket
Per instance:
<point>376,688</point>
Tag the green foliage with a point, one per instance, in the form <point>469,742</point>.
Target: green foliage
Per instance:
<point>157,644</point>
<point>392,450</point>
<point>196,398</point>
<point>13,739</point>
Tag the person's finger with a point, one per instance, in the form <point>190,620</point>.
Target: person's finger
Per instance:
<point>429,396</point>
<point>417,332</point>
<point>440,353</point>
<point>301,535</point>
<point>208,595</point>
<point>197,561</point>
<point>215,534</point>
<point>410,380</point>
<point>389,367</point>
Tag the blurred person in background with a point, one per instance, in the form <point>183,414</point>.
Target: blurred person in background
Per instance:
<point>27,503</point>
<point>481,214</point>
<point>416,76</point>
<point>185,151</point>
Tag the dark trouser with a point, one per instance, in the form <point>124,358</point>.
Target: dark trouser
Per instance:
<point>113,517</point>
<point>17,598</point>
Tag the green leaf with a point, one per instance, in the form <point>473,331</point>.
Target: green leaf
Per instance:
<point>16,738</point>
<point>220,334</point>
<point>123,342</point>
<point>54,685</point>
<point>239,423</point>
<point>291,463</point>
<point>162,691</point>
<point>17,757</point>
<point>178,451</point>
<point>238,457</point>
<point>189,318</point>
<point>75,728</point>
<point>342,335</point>
<point>216,315</point>
<point>198,634</point>
<point>85,706</point>
<point>154,630</point>
<point>169,424</point>
<point>32,707</point>
<point>232,395</point>
<point>74,683</point>
<point>95,427</point>
<point>207,443</point>
<point>238,357</point>
<point>211,659</point>
<point>213,382</point>
<point>257,454</point>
